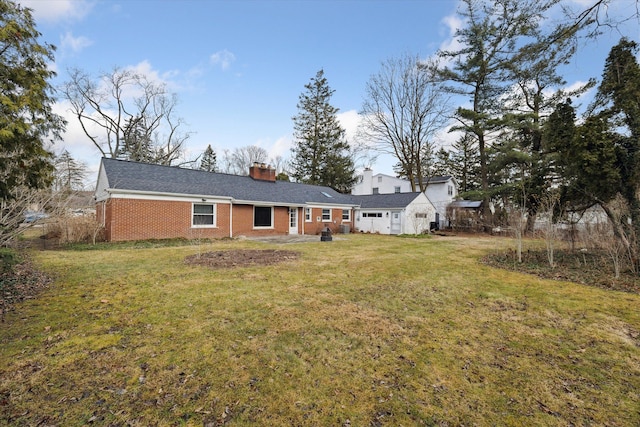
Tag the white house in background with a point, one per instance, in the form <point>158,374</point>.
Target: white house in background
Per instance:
<point>441,190</point>
<point>397,213</point>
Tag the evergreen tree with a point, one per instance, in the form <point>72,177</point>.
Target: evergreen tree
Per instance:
<point>26,99</point>
<point>208,161</point>
<point>618,102</point>
<point>137,144</point>
<point>538,90</point>
<point>480,69</point>
<point>321,154</point>
<point>70,173</point>
<point>463,164</point>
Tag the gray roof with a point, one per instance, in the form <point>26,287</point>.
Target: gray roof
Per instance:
<point>145,177</point>
<point>437,179</point>
<point>466,204</point>
<point>385,201</point>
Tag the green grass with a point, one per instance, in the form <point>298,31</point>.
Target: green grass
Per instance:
<point>363,331</point>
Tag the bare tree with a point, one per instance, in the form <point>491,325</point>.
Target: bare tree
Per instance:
<point>127,115</point>
<point>548,205</point>
<point>595,16</point>
<point>14,213</point>
<point>240,159</point>
<point>403,110</point>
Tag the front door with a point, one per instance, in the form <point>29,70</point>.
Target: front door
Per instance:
<point>293,220</point>
<point>396,225</point>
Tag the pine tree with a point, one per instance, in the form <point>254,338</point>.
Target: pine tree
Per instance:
<point>480,68</point>
<point>209,158</point>
<point>137,145</point>
<point>321,154</point>
<point>26,100</point>
<point>618,102</point>
<point>70,173</point>
<point>462,162</point>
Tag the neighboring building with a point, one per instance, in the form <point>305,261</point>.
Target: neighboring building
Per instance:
<point>397,213</point>
<point>136,201</point>
<point>465,215</point>
<point>440,190</point>
<point>368,183</point>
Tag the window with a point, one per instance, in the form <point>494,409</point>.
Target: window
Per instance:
<point>262,216</point>
<point>396,189</point>
<point>422,215</point>
<point>376,190</point>
<point>203,215</point>
<point>346,214</point>
<point>307,214</point>
<point>326,215</point>
<point>379,179</point>
<point>371,214</point>
<point>450,190</point>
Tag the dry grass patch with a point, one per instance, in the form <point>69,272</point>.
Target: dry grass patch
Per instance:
<point>369,330</point>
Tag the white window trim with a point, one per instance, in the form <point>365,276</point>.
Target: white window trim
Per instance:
<point>307,215</point>
<point>215,216</point>
<point>262,227</point>
<point>348,214</point>
<point>330,214</point>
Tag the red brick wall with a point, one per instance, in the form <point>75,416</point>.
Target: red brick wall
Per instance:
<point>243,221</point>
<point>134,219</point>
<point>316,227</point>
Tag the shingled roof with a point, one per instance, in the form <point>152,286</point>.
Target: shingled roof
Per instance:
<point>385,201</point>
<point>149,178</point>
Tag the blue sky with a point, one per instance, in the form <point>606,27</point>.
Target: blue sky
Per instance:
<point>238,67</point>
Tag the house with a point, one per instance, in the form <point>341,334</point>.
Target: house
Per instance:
<point>440,190</point>
<point>137,201</point>
<point>397,213</point>
<point>368,183</point>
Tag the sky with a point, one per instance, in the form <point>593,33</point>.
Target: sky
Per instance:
<point>239,67</point>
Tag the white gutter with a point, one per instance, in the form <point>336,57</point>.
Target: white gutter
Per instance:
<point>116,191</point>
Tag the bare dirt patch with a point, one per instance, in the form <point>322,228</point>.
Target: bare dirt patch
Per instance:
<point>241,258</point>
<point>20,282</point>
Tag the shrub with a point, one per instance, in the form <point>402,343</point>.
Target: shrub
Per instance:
<point>76,229</point>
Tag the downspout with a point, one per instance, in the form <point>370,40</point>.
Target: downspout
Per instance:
<point>231,219</point>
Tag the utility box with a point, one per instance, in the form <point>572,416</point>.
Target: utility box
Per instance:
<point>345,229</point>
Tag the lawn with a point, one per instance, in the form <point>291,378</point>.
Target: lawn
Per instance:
<point>362,331</point>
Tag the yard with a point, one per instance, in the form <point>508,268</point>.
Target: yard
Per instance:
<point>363,331</point>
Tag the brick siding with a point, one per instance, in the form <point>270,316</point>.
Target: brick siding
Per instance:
<point>137,219</point>
<point>134,219</point>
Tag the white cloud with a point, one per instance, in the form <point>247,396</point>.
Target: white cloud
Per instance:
<point>74,44</point>
<point>349,120</point>
<point>59,10</point>
<point>281,147</point>
<point>222,58</point>
<point>76,141</point>
<point>452,23</point>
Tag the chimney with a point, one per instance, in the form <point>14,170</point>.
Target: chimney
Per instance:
<point>262,172</point>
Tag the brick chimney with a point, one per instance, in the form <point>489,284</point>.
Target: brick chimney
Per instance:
<point>262,172</point>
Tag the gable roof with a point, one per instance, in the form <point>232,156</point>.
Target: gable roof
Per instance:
<point>386,201</point>
<point>130,176</point>
<point>437,179</point>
